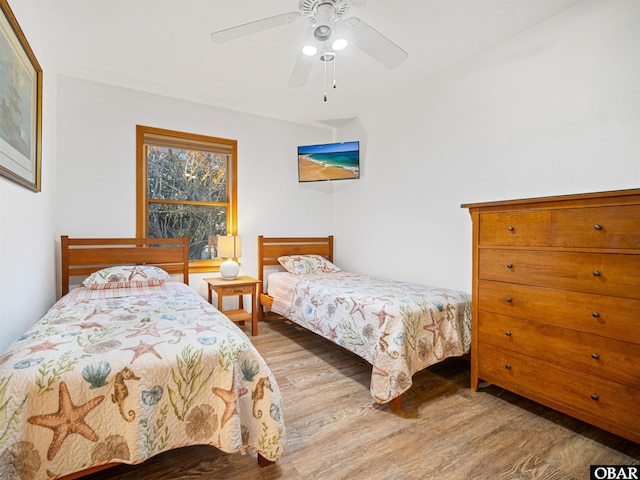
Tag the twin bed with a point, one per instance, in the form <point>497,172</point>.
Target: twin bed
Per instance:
<point>130,365</point>
<point>400,328</point>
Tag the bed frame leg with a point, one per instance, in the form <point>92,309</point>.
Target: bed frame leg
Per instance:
<point>395,405</point>
<point>263,462</point>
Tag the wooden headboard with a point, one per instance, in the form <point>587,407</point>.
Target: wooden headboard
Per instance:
<point>270,248</point>
<point>83,256</point>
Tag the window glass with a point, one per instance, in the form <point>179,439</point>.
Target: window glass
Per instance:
<point>186,186</point>
<point>180,174</point>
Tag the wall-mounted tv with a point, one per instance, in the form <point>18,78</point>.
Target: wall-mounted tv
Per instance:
<point>329,161</point>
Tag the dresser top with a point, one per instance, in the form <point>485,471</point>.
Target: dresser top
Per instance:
<point>631,196</point>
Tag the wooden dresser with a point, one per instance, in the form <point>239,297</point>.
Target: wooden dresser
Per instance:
<point>556,304</point>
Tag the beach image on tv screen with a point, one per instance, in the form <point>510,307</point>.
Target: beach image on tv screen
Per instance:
<point>334,161</point>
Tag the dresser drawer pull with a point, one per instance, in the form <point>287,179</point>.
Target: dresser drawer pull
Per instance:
<point>595,315</point>
<point>509,265</point>
<point>596,273</point>
<point>597,227</point>
<point>595,397</point>
<point>595,356</point>
<point>510,228</point>
<point>507,333</point>
<point>509,299</point>
<point>507,366</point>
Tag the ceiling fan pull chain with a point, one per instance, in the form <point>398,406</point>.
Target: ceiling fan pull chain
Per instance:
<point>334,69</point>
<point>325,71</point>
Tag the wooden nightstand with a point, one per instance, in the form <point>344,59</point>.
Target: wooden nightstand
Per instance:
<point>242,285</point>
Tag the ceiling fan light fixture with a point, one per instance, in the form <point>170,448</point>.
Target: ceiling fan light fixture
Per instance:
<point>310,45</point>
<point>340,35</point>
<point>340,44</point>
<point>322,33</point>
<point>324,19</point>
<point>309,50</point>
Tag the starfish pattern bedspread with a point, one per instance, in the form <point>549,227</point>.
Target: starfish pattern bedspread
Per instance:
<point>121,375</point>
<point>400,328</point>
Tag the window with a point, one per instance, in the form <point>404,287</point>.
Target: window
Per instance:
<point>186,185</point>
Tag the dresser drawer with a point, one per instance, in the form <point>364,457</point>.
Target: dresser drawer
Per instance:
<point>601,273</point>
<point>600,356</point>
<point>601,398</point>
<point>603,227</point>
<point>611,317</point>
<point>518,228</point>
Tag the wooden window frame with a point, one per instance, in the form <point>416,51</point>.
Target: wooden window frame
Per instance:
<point>142,203</point>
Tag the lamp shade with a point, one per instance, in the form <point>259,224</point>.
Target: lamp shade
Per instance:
<point>229,247</point>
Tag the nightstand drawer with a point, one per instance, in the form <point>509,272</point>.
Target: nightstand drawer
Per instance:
<point>519,228</point>
<point>236,290</point>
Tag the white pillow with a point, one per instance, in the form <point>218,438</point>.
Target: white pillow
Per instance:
<point>306,264</point>
<point>126,276</point>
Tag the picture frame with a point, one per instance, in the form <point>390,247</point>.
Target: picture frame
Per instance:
<point>20,105</point>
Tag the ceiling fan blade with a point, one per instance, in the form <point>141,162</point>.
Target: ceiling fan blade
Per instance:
<point>374,44</point>
<point>301,71</point>
<point>250,28</point>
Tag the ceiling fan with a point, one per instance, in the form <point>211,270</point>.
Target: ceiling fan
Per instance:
<point>328,32</point>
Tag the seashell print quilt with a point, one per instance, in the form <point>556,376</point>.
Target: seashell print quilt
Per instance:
<point>121,375</point>
<point>400,328</point>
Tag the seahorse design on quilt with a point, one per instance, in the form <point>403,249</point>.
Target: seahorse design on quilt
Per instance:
<point>258,394</point>
<point>121,392</point>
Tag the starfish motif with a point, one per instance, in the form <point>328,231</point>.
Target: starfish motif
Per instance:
<point>142,303</point>
<point>358,306</point>
<point>67,420</point>
<point>316,322</point>
<point>98,311</point>
<point>85,325</point>
<point>333,334</point>
<point>436,333</point>
<point>382,316</point>
<point>136,270</point>
<point>151,329</point>
<point>200,328</point>
<point>229,399</point>
<point>44,346</point>
<point>143,348</point>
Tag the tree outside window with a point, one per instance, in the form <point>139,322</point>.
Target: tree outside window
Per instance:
<point>186,186</point>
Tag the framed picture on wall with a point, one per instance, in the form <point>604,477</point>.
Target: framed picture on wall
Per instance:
<point>20,105</point>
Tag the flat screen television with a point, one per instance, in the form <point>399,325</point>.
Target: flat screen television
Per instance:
<point>329,161</point>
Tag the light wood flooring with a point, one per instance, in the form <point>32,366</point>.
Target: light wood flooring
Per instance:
<point>445,431</point>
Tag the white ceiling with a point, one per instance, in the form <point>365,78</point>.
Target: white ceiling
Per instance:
<point>163,46</point>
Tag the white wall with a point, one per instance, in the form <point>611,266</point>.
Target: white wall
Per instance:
<point>96,166</point>
<point>555,110</point>
<point>27,221</point>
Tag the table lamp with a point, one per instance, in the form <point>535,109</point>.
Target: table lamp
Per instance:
<point>229,247</point>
